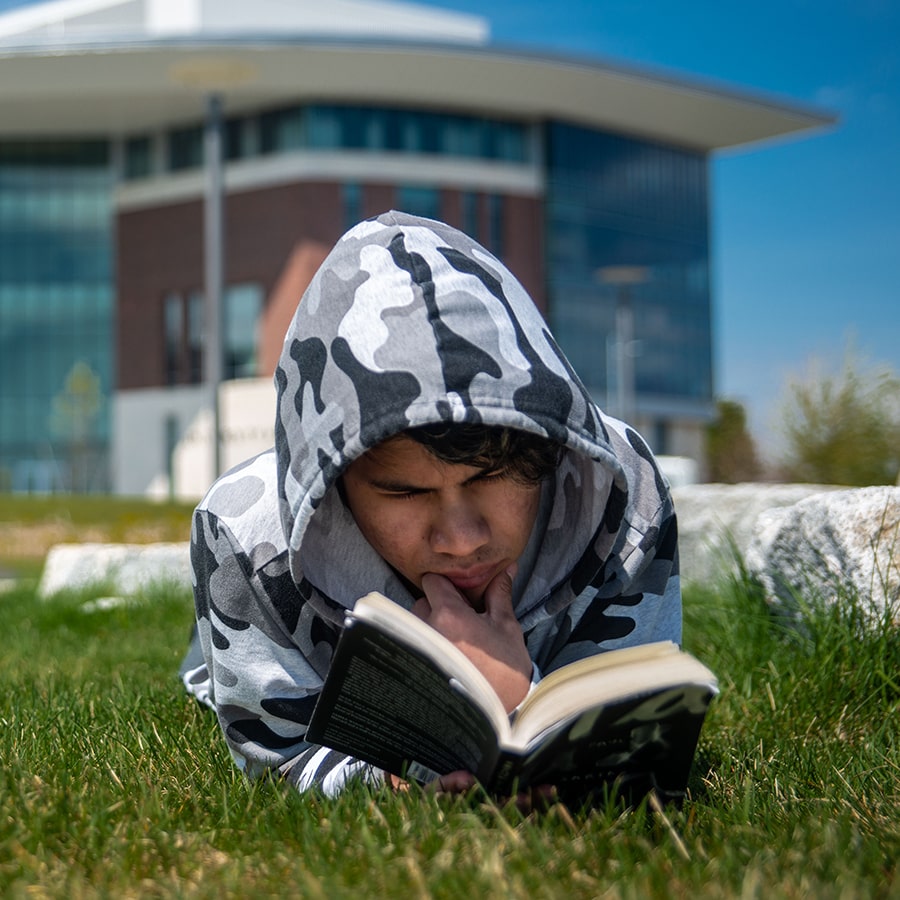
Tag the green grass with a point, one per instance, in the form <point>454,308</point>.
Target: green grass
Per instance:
<point>115,515</point>
<point>113,784</point>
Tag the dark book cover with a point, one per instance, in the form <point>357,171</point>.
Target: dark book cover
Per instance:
<point>397,705</point>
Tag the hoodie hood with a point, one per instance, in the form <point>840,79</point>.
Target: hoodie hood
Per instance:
<point>410,322</point>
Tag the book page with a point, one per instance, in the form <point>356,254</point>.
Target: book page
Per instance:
<point>604,679</point>
<point>610,659</point>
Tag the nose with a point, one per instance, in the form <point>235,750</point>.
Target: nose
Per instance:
<point>459,528</point>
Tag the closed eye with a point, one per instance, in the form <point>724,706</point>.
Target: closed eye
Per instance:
<point>406,495</point>
<point>399,490</point>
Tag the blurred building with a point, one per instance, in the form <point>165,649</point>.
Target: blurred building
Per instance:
<point>590,180</point>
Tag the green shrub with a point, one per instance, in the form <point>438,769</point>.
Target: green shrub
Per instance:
<point>730,452</point>
<point>844,428</point>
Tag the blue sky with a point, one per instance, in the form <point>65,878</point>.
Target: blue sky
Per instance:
<point>806,233</point>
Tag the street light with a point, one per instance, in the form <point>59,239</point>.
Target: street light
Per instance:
<point>213,76</point>
<point>621,348</point>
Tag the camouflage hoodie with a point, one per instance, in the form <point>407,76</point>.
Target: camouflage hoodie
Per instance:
<point>410,322</point>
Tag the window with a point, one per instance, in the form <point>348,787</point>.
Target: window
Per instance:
<point>470,221</point>
<point>169,447</point>
<point>660,436</point>
<point>507,141</point>
<point>464,136</point>
<point>242,138</point>
<point>351,197</point>
<point>195,332</point>
<point>419,201</point>
<point>496,220</point>
<point>241,308</point>
<point>343,127</point>
<point>186,148</point>
<point>138,157</point>
<point>173,327</point>
<point>324,127</point>
<point>243,304</point>
<point>281,130</point>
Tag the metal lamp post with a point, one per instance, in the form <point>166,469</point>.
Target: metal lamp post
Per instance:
<point>213,273</point>
<point>212,77</point>
<point>623,279</point>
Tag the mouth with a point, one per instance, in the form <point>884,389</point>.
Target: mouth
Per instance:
<point>469,580</point>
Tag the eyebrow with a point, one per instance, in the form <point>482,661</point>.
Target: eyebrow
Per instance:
<point>402,487</point>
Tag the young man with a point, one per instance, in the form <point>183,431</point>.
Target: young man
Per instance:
<point>431,443</point>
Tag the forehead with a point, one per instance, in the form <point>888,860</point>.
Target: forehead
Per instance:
<point>401,457</point>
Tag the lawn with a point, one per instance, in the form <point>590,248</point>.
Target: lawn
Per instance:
<point>29,525</point>
<point>116,785</point>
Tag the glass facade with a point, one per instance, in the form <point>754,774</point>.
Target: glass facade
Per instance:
<point>623,210</point>
<point>56,315</point>
<point>340,127</point>
<point>612,203</point>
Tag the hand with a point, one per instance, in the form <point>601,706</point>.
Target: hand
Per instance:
<point>459,782</point>
<point>492,639</point>
<point>537,799</point>
<point>395,782</point>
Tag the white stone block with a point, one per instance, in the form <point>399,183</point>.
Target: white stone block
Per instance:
<point>831,546</point>
<point>121,568</point>
<point>714,520</point>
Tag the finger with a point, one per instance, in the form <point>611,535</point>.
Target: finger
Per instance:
<point>440,591</point>
<point>498,597</point>
<point>523,802</point>
<point>537,799</point>
<point>543,796</point>
<point>453,783</point>
<point>421,609</point>
<point>395,782</point>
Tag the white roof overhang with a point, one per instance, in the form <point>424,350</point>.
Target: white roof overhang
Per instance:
<point>120,87</point>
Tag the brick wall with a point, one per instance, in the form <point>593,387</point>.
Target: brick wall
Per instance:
<point>160,251</point>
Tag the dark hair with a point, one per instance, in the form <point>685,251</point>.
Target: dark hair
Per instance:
<point>525,457</point>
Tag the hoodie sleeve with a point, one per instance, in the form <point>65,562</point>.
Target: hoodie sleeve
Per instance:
<point>650,603</point>
<point>631,600</point>
<point>262,685</point>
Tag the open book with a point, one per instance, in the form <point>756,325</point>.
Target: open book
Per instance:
<point>402,697</point>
